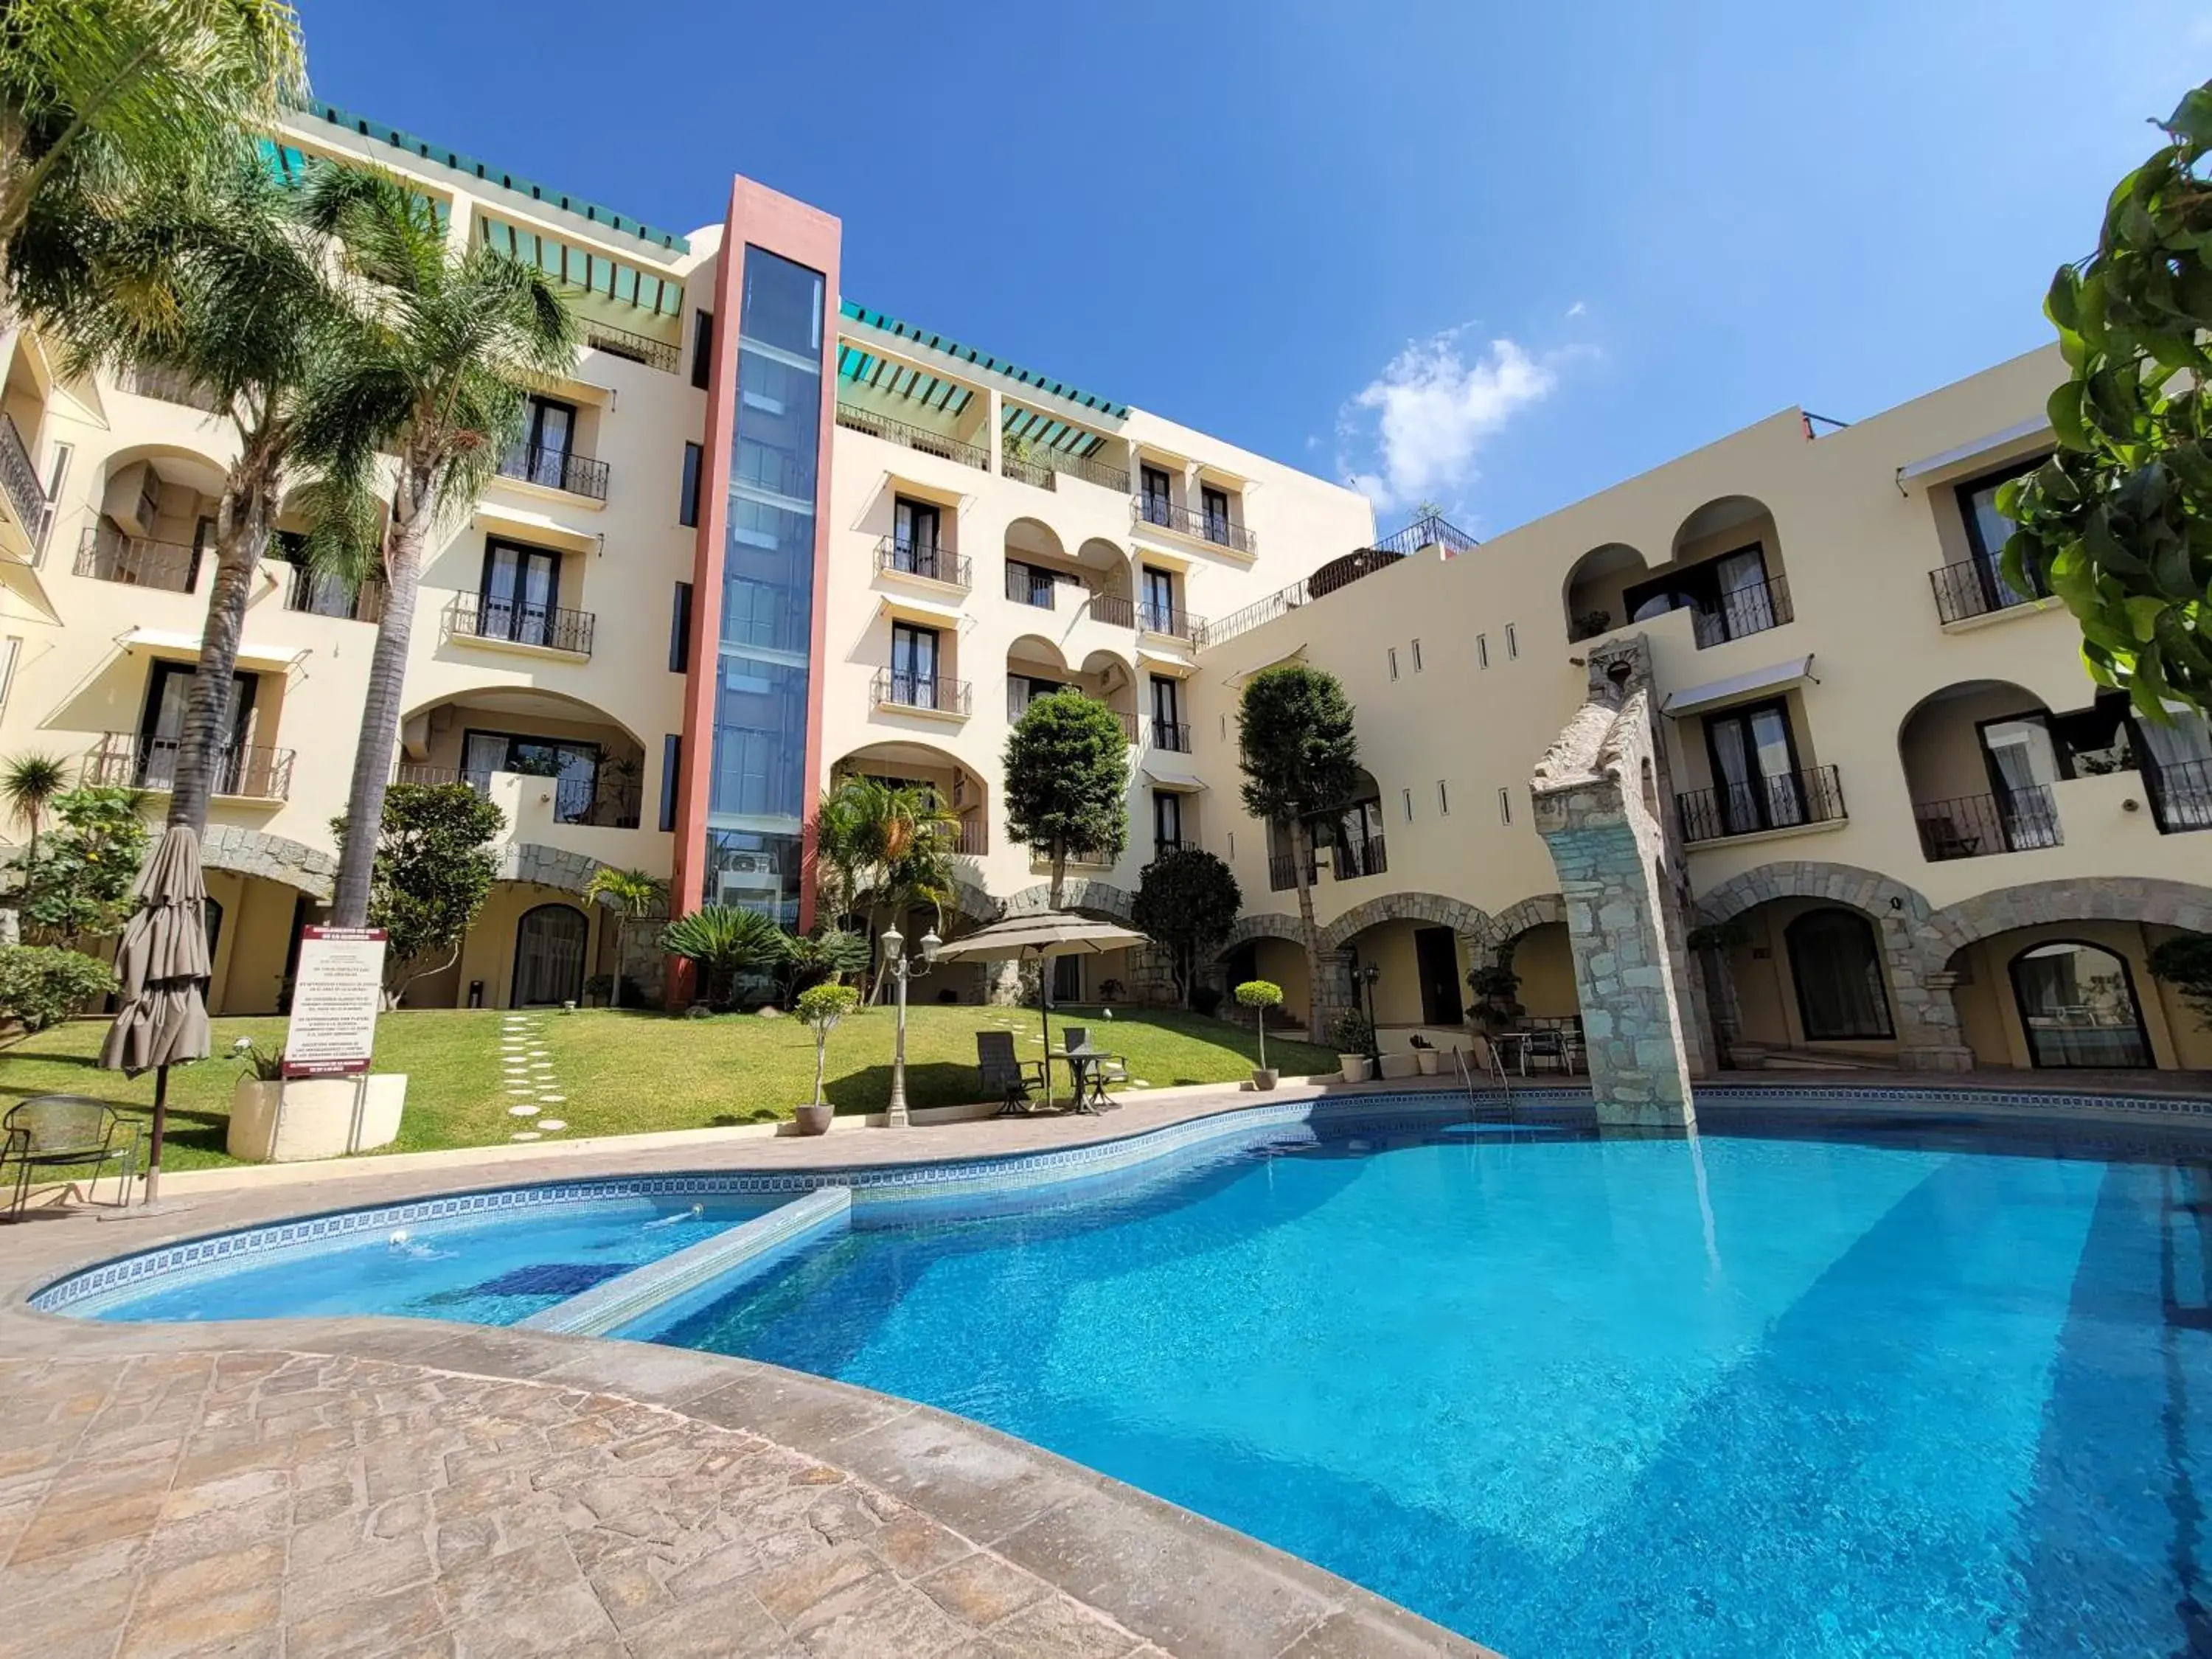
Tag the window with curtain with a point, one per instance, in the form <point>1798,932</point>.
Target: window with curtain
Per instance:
<point>1836,961</point>
<point>2077,1006</point>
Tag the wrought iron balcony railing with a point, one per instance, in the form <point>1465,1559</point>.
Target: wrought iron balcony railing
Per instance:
<point>1091,471</point>
<point>1743,611</point>
<point>251,772</point>
<point>1170,734</point>
<point>1781,801</point>
<point>106,554</point>
<point>170,385</point>
<point>1115,610</point>
<point>555,468</point>
<point>923,559</point>
<point>940,693</point>
<point>856,419</point>
<point>1352,859</point>
<point>968,838</point>
<point>20,478</point>
<point>2181,794</point>
<point>321,595</point>
<point>1282,872</point>
<point>1175,623</point>
<point>1215,527</point>
<point>1975,826</point>
<point>622,343</point>
<point>512,622</point>
<point>1974,587</point>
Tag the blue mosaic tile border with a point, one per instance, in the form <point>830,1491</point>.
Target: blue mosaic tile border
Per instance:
<point>1003,1176</point>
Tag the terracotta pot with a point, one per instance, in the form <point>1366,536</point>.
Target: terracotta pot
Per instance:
<point>813,1120</point>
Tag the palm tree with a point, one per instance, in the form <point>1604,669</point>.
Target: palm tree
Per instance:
<point>100,97</point>
<point>633,894</point>
<point>724,942</point>
<point>28,784</point>
<point>218,277</point>
<point>889,846</point>
<point>434,372</point>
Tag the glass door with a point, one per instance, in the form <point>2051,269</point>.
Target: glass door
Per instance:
<point>914,537</point>
<point>2023,764</point>
<point>1987,531</point>
<point>161,728</point>
<point>2178,764</point>
<point>1217,514</point>
<point>913,665</point>
<point>552,432</point>
<point>1167,822</point>
<point>1745,604</point>
<point>1159,601</point>
<point>1167,713</point>
<point>1754,760</point>
<point>1155,486</point>
<point>521,593</point>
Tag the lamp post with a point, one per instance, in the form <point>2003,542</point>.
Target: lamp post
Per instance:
<point>901,968</point>
<point>1367,976</point>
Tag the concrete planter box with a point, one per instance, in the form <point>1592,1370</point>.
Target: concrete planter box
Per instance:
<point>1429,1059</point>
<point>316,1118</point>
<point>1407,1063</point>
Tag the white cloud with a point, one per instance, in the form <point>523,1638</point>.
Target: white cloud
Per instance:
<point>1421,421</point>
<point>1576,309</point>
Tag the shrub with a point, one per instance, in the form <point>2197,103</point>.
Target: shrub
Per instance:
<point>1186,902</point>
<point>824,957</point>
<point>1350,1033</point>
<point>728,945</point>
<point>1109,990</point>
<point>600,988</point>
<point>2185,963</point>
<point>76,882</point>
<point>40,984</point>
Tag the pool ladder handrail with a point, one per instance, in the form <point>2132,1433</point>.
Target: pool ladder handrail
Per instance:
<point>1497,1070</point>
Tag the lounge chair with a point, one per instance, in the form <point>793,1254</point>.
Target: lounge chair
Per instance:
<point>54,1132</point>
<point>999,1071</point>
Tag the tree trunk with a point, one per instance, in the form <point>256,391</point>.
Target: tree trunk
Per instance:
<point>241,538</point>
<point>1301,872</point>
<point>1059,872</point>
<point>614,985</point>
<point>416,506</point>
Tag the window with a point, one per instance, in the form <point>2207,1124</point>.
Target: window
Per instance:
<point>680,630</point>
<point>1407,795</point>
<point>1026,584</point>
<point>2077,1006</point>
<point>1159,600</point>
<point>1482,650</point>
<point>687,499</point>
<point>702,350</point>
<point>1153,483</point>
<point>1232,845</point>
<point>1512,642</point>
<point>914,527</point>
<point>672,765</point>
<point>1836,964</point>
<point>548,439</point>
<point>1216,503</point>
<point>1392,653</point>
<point>57,476</point>
<point>1732,596</point>
<point>161,726</point>
<point>1168,730</point>
<point>1987,531</point>
<point>913,665</point>
<point>1506,806</point>
<point>1756,784</point>
<point>1443,800</point>
<point>1417,656</point>
<point>520,596</point>
<point>1167,822</point>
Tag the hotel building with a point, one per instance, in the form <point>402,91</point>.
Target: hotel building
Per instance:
<point>1754,759</point>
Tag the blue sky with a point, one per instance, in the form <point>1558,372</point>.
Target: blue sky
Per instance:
<point>1495,255</point>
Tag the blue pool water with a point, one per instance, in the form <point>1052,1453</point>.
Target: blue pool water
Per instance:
<point>490,1268</point>
<point>1902,1393</point>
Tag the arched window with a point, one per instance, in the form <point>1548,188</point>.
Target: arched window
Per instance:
<point>548,956</point>
<point>2078,1004</point>
<point>1836,961</point>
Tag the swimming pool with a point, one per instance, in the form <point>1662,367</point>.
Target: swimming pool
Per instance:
<point>1913,1391</point>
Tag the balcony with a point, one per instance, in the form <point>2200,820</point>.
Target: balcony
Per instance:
<point>131,761</point>
<point>1046,468</point>
<point>169,386</point>
<point>1972,588</point>
<point>1282,872</point>
<point>315,594</point>
<point>967,838</point>
<point>107,555</point>
<point>505,621</point>
<point>598,800</point>
<point>929,694</point>
<point>1027,586</point>
<point>854,418</point>
<point>2181,794</point>
<point>1977,826</point>
<point>1018,701</point>
<point>1785,801</point>
<point>20,478</point>
<point>1215,527</point>
<point>1173,623</point>
<point>1742,610</point>
<point>1170,734</point>
<point>555,468</point>
<point>1351,859</point>
<point>637,347</point>
<point>926,561</point>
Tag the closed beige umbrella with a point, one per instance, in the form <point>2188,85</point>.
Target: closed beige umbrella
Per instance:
<point>1041,936</point>
<point>162,961</point>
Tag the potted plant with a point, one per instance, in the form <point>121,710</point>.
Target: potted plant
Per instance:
<point>1259,995</point>
<point>1425,1054</point>
<point>1109,991</point>
<point>1497,1010</point>
<point>822,1008</point>
<point>1351,1035</point>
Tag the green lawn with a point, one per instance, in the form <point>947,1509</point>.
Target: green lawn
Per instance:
<point>625,1073</point>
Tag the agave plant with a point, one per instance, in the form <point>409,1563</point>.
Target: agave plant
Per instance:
<point>722,943</point>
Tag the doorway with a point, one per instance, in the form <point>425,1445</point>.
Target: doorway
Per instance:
<point>1066,979</point>
<point>1754,760</point>
<point>548,956</point>
<point>161,729</point>
<point>1435,955</point>
<point>521,593</point>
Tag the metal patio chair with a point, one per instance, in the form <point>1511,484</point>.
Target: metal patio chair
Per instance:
<point>999,1071</point>
<point>53,1131</point>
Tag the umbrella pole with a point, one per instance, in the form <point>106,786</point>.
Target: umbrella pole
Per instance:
<point>161,1123</point>
<point>1045,1008</point>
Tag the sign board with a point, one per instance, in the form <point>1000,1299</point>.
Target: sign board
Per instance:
<point>336,997</point>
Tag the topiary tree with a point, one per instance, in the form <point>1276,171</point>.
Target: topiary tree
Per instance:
<point>2185,963</point>
<point>1186,902</point>
<point>822,1008</point>
<point>433,871</point>
<point>725,943</point>
<point>1068,781</point>
<point>2118,522</point>
<point>1259,995</point>
<point>1300,756</point>
<point>76,884</point>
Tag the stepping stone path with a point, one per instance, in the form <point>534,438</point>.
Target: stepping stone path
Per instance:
<point>528,1064</point>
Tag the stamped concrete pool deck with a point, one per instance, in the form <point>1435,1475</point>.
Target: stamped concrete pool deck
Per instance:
<point>370,1487</point>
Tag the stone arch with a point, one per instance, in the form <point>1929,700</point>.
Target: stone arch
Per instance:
<point>273,858</point>
<point>972,904</point>
<point>1516,919</point>
<point>1272,924</point>
<point>1434,909</point>
<point>1077,893</point>
<point>1838,883</point>
<point>546,866</point>
<point>2081,898</point>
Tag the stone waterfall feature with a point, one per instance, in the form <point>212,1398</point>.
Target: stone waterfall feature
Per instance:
<point>1597,793</point>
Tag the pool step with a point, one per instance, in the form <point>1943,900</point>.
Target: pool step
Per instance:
<point>1754,1057</point>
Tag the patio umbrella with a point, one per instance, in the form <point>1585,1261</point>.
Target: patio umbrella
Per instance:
<point>162,961</point>
<point>1040,936</point>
